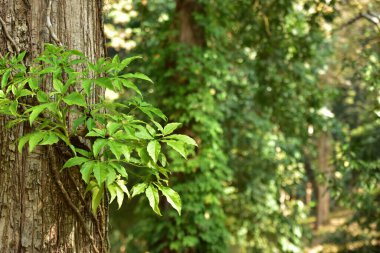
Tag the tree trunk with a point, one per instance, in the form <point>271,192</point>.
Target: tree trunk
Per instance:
<point>35,213</point>
<point>323,195</point>
<point>190,32</point>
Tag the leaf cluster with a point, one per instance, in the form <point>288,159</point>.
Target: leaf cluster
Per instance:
<point>107,145</point>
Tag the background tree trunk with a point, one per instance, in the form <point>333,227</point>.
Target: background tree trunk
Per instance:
<point>323,194</point>
<point>34,215</point>
<point>190,32</point>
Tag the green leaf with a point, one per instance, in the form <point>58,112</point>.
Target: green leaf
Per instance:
<point>158,125</point>
<point>151,130</point>
<point>97,195</point>
<point>98,145</point>
<point>177,146</point>
<point>121,184</point>
<point>90,124</point>
<point>4,79</point>
<point>112,127</point>
<point>115,149</point>
<point>112,188</point>
<point>138,76</point>
<point>130,85</point>
<point>13,108</point>
<point>104,82</point>
<point>75,161</point>
<point>152,194</point>
<point>184,138</point>
<point>79,121</point>
<point>83,152</point>
<point>86,170</point>
<point>52,69</point>
<point>120,196</point>
<point>126,150</point>
<point>58,85</point>
<point>116,59</point>
<point>2,95</point>
<point>120,169</point>
<point>22,141</point>
<point>42,97</point>
<point>15,122</point>
<point>86,84</point>
<point>159,113</point>
<point>100,172</point>
<point>138,189</point>
<point>21,56</point>
<point>172,197</point>
<point>24,93</point>
<point>90,185</point>
<point>148,110</point>
<point>154,149</point>
<point>143,134</point>
<point>36,110</point>
<point>34,139</point>
<point>14,89</point>
<point>111,175</point>
<point>50,139</point>
<point>162,159</point>
<point>75,98</point>
<point>97,133</point>
<point>127,61</point>
<point>143,154</point>
<point>169,128</point>
<point>33,83</point>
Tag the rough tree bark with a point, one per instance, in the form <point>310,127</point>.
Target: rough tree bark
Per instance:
<point>34,214</point>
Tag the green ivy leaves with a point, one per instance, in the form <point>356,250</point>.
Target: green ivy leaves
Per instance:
<point>115,144</point>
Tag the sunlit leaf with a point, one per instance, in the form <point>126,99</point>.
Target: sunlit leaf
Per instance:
<point>152,194</point>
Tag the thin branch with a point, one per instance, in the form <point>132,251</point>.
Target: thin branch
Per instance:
<point>68,199</point>
<point>50,26</point>
<point>8,36</point>
<point>351,21</point>
<point>374,19</point>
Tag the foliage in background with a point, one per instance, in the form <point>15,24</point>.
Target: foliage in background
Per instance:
<point>256,97</point>
<point>358,111</point>
<point>223,98</point>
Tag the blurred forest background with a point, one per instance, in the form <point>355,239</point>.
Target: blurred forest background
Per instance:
<point>283,99</point>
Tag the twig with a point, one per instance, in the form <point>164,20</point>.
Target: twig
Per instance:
<point>106,213</point>
<point>374,19</point>
<point>8,36</point>
<point>50,26</point>
<point>68,199</point>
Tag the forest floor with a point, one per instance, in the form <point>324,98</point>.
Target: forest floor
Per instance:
<point>339,236</point>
